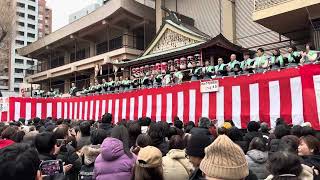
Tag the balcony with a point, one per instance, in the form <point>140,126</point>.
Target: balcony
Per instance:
<point>287,17</point>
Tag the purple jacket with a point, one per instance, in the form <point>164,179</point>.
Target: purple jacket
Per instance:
<point>112,163</point>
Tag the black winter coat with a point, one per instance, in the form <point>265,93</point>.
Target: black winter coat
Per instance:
<point>68,155</point>
<point>107,127</point>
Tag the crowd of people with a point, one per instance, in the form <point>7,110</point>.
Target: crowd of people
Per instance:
<point>173,73</point>
<point>149,150</point>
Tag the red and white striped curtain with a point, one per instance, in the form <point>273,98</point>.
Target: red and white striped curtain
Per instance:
<point>293,94</point>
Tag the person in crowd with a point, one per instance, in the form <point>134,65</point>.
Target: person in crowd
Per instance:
<point>104,85</point>
<point>111,84</point>
<point>253,131</point>
<point>309,151</point>
<point>29,138</point>
<point>90,153</point>
<point>195,151</point>
<point>126,83</point>
<point>115,161</point>
<point>236,136</point>
<point>264,130</point>
<point>172,132</point>
<point>157,79</point>
<point>134,130</point>
<point>148,165</point>
<point>289,143</point>
<point>284,165</point>
<point>246,65</point>
<point>133,82</point>
<point>167,79</point>
<point>158,134</point>
<point>276,60</point>
<point>83,138</point>
<point>224,160</point>
<point>19,161</point>
<point>221,68</point>
<point>308,56</point>
<point>296,130</point>
<point>261,62</point>
<point>195,71</point>
<point>116,84</point>
<point>7,137</point>
<point>177,76</point>
<point>145,124</point>
<point>208,70</point>
<point>143,140</point>
<point>233,66</point>
<point>293,57</point>
<point>67,152</point>
<point>190,125</point>
<point>307,130</point>
<point>203,128</point>
<point>175,164</point>
<point>120,84</point>
<point>280,131</point>
<point>97,86</point>
<point>178,123</point>
<point>257,157</point>
<point>73,90</point>
<point>98,135</point>
<point>105,124</point>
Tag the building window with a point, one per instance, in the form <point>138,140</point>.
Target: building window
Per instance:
<point>20,5</point>
<point>28,43</point>
<point>21,24</point>
<point>16,89</point>
<point>30,62</point>
<point>30,71</point>
<point>18,80</point>
<point>33,0</point>
<point>31,8</point>
<point>19,71</point>
<point>31,35</point>
<point>18,61</point>
<point>20,14</point>
<point>31,26</point>
<point>21,33</point>
<point>31,17</point>
<point>19,42</point>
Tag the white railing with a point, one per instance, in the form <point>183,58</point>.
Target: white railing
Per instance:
<point>264,4</point>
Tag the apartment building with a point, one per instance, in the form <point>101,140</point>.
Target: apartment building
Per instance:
<point>26,33</point>
<point>44,19</point>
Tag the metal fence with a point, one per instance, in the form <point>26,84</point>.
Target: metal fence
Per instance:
<point>264,4</point>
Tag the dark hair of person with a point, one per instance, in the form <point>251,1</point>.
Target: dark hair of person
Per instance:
<point>234,134</point>
<point>282,162</point>
<point>156,133</point>
<point>222,130</point>
<point>172,131</point>
<point>246,53</point>
<point>122,122</point>
<point>59,121</point>
<point>97,136</point>
<point>188,128</point>
<point>258,144</point>
<point>204,122</point>
<point>280,121</point>
<point>312,143</point>
<point>294,48</point>
<point>144,121</point>
<point>278,52</point>
<point>281,130</point>
<point>85,128</point>
<point>165,127</point>
<point>9,133</point>
<point>289,143</point>
<point>19,136</point>
<point>106,118</point>
<point>176,142</point>
<point>19,161</point>
<point>45,142</point>
<point>264,128</point>
<point>143,140</point>
<point>36,120</point>
<point>296,130</point>
<point>121,133</point>
<point>61,132</point>
<point>306,130</point>
<point>134,130</point>
<point>178,124</point>
<point>140,173</point>
<point>253,126</point>
<point>260,49</point>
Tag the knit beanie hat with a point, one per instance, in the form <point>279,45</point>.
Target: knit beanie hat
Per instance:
<point>196,145</point>
<point>224,160</point>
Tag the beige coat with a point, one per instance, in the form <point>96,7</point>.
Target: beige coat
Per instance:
<point>176,166</point>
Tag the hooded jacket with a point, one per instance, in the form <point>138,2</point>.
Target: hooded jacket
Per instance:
<point>257,163</point>
<point>90,153</point>
<point>112,163</point>
<point>176,165</point>
<point>306,174</point>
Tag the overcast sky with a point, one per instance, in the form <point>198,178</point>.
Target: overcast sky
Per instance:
<point>61,9</point>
